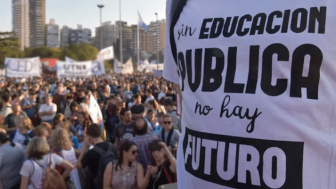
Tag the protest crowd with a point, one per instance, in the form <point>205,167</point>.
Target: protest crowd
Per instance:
<point>117,131</point>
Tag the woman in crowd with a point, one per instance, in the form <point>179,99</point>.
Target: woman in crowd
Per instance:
<point>23,134</point>
<point>153,105</point>
<point>58,119</point>
<point>66,125</point>
<point>152,121</point>
<point>126,172</point>
<point>112,120</point>
<point>74,107</point>
<point>165,163</point>
<point>33,171</point>
<point>63,147</point>
<point>40,131</point>
<point>12,157</point>
<point>84,121</point>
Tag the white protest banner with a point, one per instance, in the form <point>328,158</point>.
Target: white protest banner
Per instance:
<point>126,68</point>
<point>142,65</point>
<point>157,73</point>
<point>106,54</point>
<point>23,67</point>
<point>97,67</point>
<point>67,59</point>
<point>95,112</point>
<point>74,69</point>
<point>151,67</point>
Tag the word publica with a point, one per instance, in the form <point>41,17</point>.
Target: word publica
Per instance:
<point>297,21</point>
<point>243,162</point>
<point>190,68</point>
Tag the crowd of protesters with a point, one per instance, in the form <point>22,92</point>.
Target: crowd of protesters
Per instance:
<point>48,138</point>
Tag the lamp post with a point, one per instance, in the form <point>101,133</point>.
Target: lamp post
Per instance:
<point>120,30</point>
<point>157,41</point>
<point>100,6</point>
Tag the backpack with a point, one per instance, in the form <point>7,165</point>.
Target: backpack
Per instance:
<point>106,157</point>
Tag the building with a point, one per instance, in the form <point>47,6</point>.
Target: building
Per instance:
<point>106,35</point>
<point>52,34</point>
<point>37,22</point>
<point>127,43</point>
<point>20,21</point>
<point>159,34</point>
<point>80,35</point>
<point>145,39</point>
<point>65,35</point>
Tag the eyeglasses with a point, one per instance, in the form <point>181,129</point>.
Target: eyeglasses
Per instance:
<point>134,152</point>
<point>167,122</point>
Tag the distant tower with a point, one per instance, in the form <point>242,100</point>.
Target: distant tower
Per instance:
<point>20,21</point>
<point>37,22</point>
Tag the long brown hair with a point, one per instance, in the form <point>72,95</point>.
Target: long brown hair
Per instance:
<point>87,119</point>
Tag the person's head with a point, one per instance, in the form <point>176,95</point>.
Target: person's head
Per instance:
<point>93,132</point>
<point>128,86</point>
<point>156,152</point>
<point>40,131</point>
<point>126,115</point>
<point>128,152</point>
<point>73,89</point>
<point>95,94</point>
<point>84,119</point>
<point>94,85</point>
<point>149,92</point>
<point>138,111</point>
<point>140,127</point>
<point>74,107</point>
<point>16,109</point>
<point>153,105</point>
<point>58,119</point>
<point>160,118</point>
<point>112,110</point>
<point>46,89</point>
<point>60,139</point>
<point>151,115</point>
<point>119,88</point>
<point>168,104</point>
<point>25,123</point>
<point>32,96</point>
<point>36,87</point>
<point>6,98</point>
<point>47,126</point>
<point>164,88</point>
<point>167,122</point>
<point>48,99</point>
<point>37,148</point>
<point>136,98</point>
<point>4,139</point>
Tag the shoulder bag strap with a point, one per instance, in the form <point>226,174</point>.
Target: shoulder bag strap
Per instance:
<point>166,173</point>
<point>171,131</point>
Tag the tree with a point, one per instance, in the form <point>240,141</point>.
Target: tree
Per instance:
<point>80,52</point>
<point>43,52</point>
<point>9,47</point>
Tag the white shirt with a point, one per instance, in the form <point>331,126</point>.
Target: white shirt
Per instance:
<point>70,156</point>
<point>161,94</point>
<point>6,110</point>
<point>149,98</point>
<point>35,172</point>
<point>260,101</point>
<point>47,108</point>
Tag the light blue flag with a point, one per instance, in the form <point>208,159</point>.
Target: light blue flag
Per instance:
<point>142,23</point>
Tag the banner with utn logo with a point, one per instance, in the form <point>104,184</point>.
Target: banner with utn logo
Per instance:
<point>23,67</point>
<point>74,69</point>
<point>97,66</point>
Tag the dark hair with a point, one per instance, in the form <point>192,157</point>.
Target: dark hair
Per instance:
<point>135,96</point>
<point>142,131</point>
<point>6,97</point>
<point>160,114</point>
<point>93,130</point>
<point>73,105</point>
<point>124,110</point>
<point>168,102</point>
<point>87,119</point>
<point>149,91</point>
<point>58,118</point>
<point>125,146</point>
<point>170,88</point>
<point>138,109</point>
<point>112,110</point>
<point>154,104</point>
<point>4,139</point>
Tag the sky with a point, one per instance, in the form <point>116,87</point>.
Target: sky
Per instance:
<point>86,12</point>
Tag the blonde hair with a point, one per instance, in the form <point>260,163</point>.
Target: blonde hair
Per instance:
<point>27,123</point>
<point>37,148</point>
<point>60,139</point>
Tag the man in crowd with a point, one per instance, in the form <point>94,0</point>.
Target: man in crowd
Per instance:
<point>28,104</point>
<point>124,130</point>
<point>6,107</point>
<point>171,110</point>
<point>58,98</point>
<point>163,92</point>
<point>48,110</point>
<point>136,100</point>
<point>12,119</point>
<point>127,94</point>
<point>169,134</point>
<point>92,158</point>
<point>142,139</point>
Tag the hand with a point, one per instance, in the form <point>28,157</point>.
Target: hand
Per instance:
<point>151,169</point>
<point>34,104</point>
<point>164,147</point>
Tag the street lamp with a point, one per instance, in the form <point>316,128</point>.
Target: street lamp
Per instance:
<point>100,6</point>
<point>157,41</point>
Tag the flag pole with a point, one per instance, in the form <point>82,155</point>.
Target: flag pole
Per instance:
<point>138,44</point>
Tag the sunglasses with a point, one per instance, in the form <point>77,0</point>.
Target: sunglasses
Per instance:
<point>167,122</point>
<point>134,152</point>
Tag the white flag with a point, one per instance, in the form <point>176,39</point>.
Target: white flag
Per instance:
<point>95,112</point>
<point>106,54</point>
